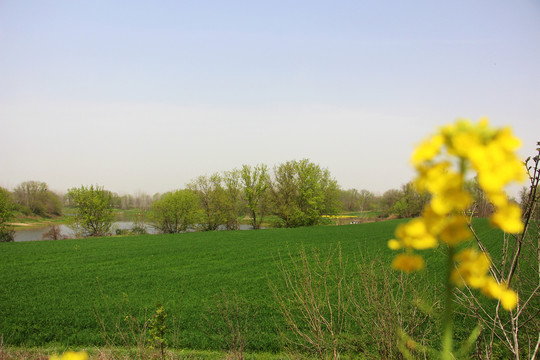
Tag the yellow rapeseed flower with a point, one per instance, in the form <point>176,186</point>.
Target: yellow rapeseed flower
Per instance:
<point>473,267</point>
<point>455,231</point>
<point>414,235</point>
<point>508,218</point>
<point>427,150</point>
<point>408,263</point>
<point>442,162</point>
<point>507,296</point>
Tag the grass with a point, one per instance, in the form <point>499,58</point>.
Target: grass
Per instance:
<point>53,291</point>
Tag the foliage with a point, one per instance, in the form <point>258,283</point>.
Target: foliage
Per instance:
<point>411,202</point>
<point>157,329</point>
<point>302,192</point>
<point>175,211</point>
<point>255,185</point>
<point>233,199</point>
<point>37,197</point>
<point>212,200</point>
<point>6,214</point>
<point>388,200</point>
<point>354,200</point>
<point>93,210</point>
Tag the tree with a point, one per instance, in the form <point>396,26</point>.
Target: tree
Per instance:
<point>233,198</point>
<point>302,192</point>
<point>411,202</point>
<point>255,181</point>
<point>354,200</point>
<point>387,200</point>
<point>37,198</point>
<point>6,214</point>
<point>175,211</point>
<point>94,215</point>
<point>212,200</point>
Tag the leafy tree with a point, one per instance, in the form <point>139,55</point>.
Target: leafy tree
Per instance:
<point>175,211</point>
<point>6,214</point>
<point>37,198</point>
<point>387,200</point>
<point>94,215</point>
<point>255,183</point>
<point>233,198</point>
<point>212,200</point>
<point>302,192</point>
<point>411,202</point>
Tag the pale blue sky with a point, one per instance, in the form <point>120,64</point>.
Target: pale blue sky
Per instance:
<point>146,96</point>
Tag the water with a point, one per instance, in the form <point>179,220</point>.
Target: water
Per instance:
<point>36,234</point>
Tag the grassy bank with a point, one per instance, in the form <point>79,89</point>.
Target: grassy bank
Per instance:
<point>58,292</point>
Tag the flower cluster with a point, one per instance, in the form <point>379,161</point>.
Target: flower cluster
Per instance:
<point>443,162</point>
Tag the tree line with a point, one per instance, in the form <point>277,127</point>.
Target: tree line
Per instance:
<point>294,193</point>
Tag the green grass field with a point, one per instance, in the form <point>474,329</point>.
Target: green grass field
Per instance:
<point>51,291</point>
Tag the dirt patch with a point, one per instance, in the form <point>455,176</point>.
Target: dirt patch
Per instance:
<point>19,224</point>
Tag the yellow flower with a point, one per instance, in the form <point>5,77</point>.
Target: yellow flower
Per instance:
<point>414,235</point>
<point>427,150</point>
<point>434,222</point>
<point>408,263</point>
<point>472,269</point>
<point>394,244</point>
<point>507,140</point>
<point>71,355</point>
<point>456,231</point>
<point>508,297</point>
<point>454,199</point>
<point>508,218</point>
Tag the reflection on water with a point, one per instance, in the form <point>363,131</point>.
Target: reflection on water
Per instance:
<point>36,234</point>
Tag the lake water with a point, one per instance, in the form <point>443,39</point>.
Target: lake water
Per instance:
<point>36,234</point>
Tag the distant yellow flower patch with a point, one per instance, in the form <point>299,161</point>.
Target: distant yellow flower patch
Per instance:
<point>71,355</point>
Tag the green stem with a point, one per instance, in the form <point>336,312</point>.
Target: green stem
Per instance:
<point>448,323</point>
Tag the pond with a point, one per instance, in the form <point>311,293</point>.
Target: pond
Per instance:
<point>37,234</point>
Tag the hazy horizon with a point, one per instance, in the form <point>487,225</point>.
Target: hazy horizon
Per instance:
<point>138,96</point>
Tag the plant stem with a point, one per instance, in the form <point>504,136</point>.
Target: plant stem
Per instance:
<point>448,324</point>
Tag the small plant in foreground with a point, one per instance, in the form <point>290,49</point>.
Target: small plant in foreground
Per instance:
<point>157,328</point>
<point>443,162</point>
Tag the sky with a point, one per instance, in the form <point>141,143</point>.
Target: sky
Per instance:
<point>144,96</point>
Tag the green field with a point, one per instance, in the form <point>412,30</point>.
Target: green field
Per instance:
<point>53,292</point>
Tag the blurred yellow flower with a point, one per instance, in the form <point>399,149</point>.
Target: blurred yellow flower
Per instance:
<point>508,218</point>
<point>408,263</point>
<point>456,231</point>
<point>428,149</point>
<point>473,267</point>
<point>443,162</point>
<point>414,235</point>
